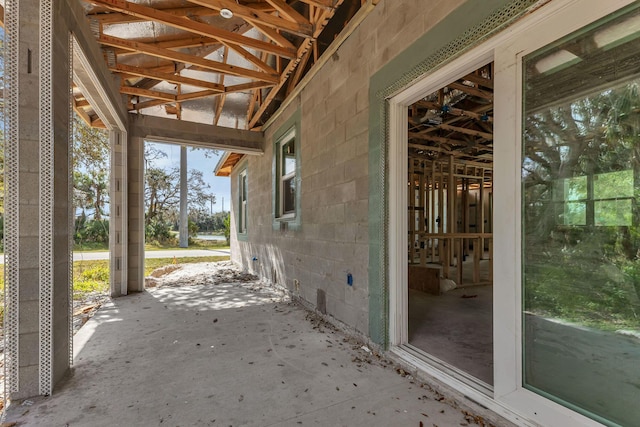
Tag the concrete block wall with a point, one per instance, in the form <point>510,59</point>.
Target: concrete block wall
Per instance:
<point>333,240</point>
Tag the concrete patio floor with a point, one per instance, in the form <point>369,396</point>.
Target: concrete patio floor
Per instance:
<point>228,355</point>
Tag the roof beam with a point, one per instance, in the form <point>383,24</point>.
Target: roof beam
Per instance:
<point>147,93</point>
<point>123,18</point>
<point>251,58</point>
<point>190,41</point>
<point>183,57</point>
<point>477,133</point>
<point>288,12</point>
<point>479,80</point>
<point>324,4</point>
<point>274,35</point>
<point>291,66</point>
<point>250,15</point>
<point>172,78</point>
<point>186,24</point>
<point>455,111</point>
<point>246,87</point>
<point>200,135</point>
<point>165,98</point>
<point>472,90</point>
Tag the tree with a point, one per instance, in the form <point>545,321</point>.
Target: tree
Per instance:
<point>90,164</point>
<point>581,182</point>
<point>90,146</point>
<point>162,195</point>
<point>90,191</point>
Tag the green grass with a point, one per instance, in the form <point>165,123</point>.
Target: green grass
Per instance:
<point>93,276</point>
<point>196,244</point>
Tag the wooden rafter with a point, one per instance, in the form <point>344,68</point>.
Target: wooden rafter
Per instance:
<point>455,111</point>
<point>325,4</point>
<point>485,135</point>
<point>221,99</point>
<point>277,57</point>
<point>251,58</point>
<point>472,90</point>
<point>184,57</point>
<point>81,113</point>
<point>288,12</point>
<point>112,18</point>
<point>176,42</point>
<point>274,36</point>
<point>474,78</point>
<point>189,25</point>
<point>252,15</point>
<point>297,75</point>
<point>171,78</point>
<point>305,46</point>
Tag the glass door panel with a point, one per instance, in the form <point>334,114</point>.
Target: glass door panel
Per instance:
<point>581,234</point>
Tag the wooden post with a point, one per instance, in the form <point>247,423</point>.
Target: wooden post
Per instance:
<point>480,229</point>
<point>460,246</point>
<point>440,228</point>
<point>476,260</point>
<point>433,210</point>
<point>451,205</point>
<point>411,217</point>
<point>491,260</point>
<point>423,210</point>
<point>465,210</point>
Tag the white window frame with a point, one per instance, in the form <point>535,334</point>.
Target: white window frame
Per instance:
<point>508,397</point>
<point>289,137</point>
<point>243,195</point>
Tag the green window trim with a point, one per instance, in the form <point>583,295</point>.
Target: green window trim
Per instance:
<point>286,175</point>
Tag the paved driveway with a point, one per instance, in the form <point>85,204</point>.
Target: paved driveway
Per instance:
<point>178,253</point>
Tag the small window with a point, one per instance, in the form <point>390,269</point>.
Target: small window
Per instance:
<point>242,205</point>
<point>286,170</point>
<point>604,199</point>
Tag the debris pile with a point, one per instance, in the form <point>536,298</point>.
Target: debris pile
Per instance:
<point>204,273</point>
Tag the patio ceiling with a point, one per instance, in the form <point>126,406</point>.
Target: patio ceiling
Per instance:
<point>183,60</point>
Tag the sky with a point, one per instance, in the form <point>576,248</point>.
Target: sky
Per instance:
<point>220,186</point>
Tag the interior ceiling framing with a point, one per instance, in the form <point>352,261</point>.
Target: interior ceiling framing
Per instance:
<point>181,59</point>
<point>456,120</point>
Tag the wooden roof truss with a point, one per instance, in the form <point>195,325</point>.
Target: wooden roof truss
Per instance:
<point>170,52</point>
<point>456,120</point>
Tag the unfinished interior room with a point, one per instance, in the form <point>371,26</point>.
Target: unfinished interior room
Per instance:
<point>452,183</point>
<point>450,161</point>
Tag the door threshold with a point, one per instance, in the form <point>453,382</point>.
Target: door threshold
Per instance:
<point>441,370</point>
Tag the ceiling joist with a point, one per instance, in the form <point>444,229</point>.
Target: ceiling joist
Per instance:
<point>185,24</point>
<point>184,57</point>
<point>302,29</point>
<point>171,78</point>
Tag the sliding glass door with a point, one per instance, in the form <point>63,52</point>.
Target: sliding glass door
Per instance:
<point>581,220</point>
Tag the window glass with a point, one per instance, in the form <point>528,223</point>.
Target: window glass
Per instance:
<point>286,163</point>
<point>613,185</point>
<point>242,215</point>
<point>581,240</point>
<point>289,158</point>
<point>288,195</point>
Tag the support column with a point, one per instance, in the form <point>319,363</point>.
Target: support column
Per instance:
<point>135,208</point>
<point>37,206</point>
<point>118,209</point>
<point>184,217</point>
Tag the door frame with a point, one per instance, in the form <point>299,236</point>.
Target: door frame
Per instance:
<point>546,25</point>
